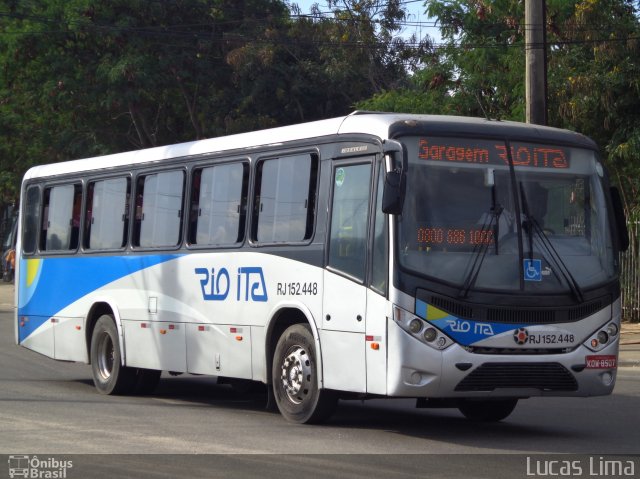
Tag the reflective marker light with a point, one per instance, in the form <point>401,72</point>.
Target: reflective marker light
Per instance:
<point>415,326</point>
<point>594,343</point>
<point>430,334</point>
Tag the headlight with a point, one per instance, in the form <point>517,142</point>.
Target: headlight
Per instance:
<point>415,326</point>
<point>430,335</point>
<point>603,337</point>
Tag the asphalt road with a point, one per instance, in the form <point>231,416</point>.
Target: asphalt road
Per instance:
<point>51,409</point>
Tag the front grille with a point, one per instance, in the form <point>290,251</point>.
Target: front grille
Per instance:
<point>585,310</point>
<point>452,307</point>
<point>518,314</point>
<point>515,351</point>
<point>543,376</point>
<point>521,316</point>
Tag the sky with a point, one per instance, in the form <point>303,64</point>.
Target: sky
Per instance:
<point>415,10</point>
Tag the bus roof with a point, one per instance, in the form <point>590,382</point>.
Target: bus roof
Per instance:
<point>374,123</point>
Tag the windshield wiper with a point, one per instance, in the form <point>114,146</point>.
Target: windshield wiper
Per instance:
<point>527,224</point>
<point>491,220</point>
<point>530,225</point>
<point>496,211</point>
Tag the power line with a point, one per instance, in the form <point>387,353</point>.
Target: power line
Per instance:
<point>204,31</point>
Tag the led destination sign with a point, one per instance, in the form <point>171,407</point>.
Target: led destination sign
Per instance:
<point>465,151</point>
<point>442,236</point>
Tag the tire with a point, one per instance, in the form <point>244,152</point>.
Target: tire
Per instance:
<point>487,410</point>
<point>109,375</point>
<point>146,381</point>
<point>295,378</point>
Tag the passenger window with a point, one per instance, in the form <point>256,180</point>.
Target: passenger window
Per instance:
<point>30,227</point>
<point>349,219</point>
<point>107,215</point>
<point>285,199</point>
<point>61,218</point>
<point>219,204</point>
<point>158,219</point>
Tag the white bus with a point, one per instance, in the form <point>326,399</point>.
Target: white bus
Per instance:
<point>464,262</point>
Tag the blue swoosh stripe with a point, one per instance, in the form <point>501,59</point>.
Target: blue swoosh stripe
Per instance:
<point>62,281</point>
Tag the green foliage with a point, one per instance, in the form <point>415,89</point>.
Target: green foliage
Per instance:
<point>87,77</point>
<point>82,78</point>
<point>476,71</point>
<point>318,66</point>
<point>593,73</point>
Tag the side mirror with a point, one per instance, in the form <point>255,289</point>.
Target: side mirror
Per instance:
<point>395,180</point>
<point>620,219</point>
<point>393,194</point>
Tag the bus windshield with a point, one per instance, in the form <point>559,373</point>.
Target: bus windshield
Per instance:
<point>494,216</point>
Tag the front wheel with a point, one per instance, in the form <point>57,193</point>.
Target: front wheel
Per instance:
<point>488,410</point>
<point>109,375</point>
<point>295,378</point>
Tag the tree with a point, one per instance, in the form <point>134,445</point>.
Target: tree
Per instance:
<point>317,66</point>
<point>88,77</point>
<point>596,82</point>
<point>593,79</point>
<point>83,78</point>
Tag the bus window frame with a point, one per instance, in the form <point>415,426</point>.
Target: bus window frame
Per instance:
<point>44,186</point>
<point>149,171</point>
<point>370,159</point>
<point>246,162</point>
<point>252,214</point>
<point>22,219</point>
<point>379,169</point>
<point>93,179</point>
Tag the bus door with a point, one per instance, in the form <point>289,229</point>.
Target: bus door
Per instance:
<point>344,292</point>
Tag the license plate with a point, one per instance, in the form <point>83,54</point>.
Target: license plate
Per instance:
<point>551,338</point>
<point>601,362</point>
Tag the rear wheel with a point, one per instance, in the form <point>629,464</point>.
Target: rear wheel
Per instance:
<point>487,410</point>
<point>109,375</point>
<point>295,378</point>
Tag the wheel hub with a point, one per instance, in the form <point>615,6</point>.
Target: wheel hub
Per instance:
<point>105,356</point>
<point>296,374</point>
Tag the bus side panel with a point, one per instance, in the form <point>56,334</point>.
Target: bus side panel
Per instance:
<point>219,350</point>
<point>342,336</point>
<point>155,345</point>
<point>68,334</point>
<point>41,340</point>
<point>376,343</point>
<point>343,361</point>
<point>258,356</point>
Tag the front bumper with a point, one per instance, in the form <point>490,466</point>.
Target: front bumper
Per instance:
<point>417,370</point>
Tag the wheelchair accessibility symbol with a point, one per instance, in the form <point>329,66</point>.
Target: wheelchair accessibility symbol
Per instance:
<point>533,270</point>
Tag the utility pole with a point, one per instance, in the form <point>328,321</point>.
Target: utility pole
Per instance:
<point>536,61</point>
